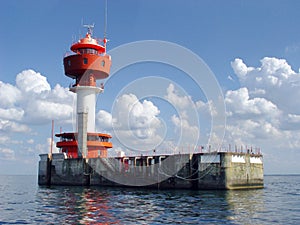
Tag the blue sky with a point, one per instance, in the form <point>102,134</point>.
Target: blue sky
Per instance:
<point>232,37</point>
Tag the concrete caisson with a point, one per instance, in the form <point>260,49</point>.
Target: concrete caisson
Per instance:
<point>219,170</point>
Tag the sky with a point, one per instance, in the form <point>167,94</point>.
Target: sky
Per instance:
<point>252,50</point>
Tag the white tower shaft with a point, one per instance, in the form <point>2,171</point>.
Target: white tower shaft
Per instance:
<point>86,103</point>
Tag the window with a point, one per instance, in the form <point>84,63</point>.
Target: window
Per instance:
<point>88,51</point>
<point>103,63</point>
<point>69,62</point>
<point>81,50</point>
<point>85,61</point>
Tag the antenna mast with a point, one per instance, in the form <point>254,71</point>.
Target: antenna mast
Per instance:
<point>105,20</point>
<point>90,28</point>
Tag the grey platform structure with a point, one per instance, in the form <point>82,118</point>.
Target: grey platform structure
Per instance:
<point>216,170</point>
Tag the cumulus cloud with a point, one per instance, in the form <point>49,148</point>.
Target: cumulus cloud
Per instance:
<point>9,95</point>
<point>140,117</point>
<point>186,122</point>
<point>7,126</point>
<point>188,133</point>
<point>238,102</point>
<point>274,80</point>
<point>33,101</point>
<point>15,114</point>
<point>29,81</point>
<point>266,109</point>
<point>206,109</point>
<point>42,111</point>
<point>240,69</point>
<point>177,99</point>
<point>135,122</point>
<point>104,120</point>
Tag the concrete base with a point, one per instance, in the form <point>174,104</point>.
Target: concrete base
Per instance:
<point>219,170</point>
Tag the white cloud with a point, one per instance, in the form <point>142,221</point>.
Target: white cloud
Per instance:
<point>266,109</point>
<point>10,126</point>
<point>12,114</point>
<point>9,95</point>
<point>187,124</point>
<point>188,133</point>
<point>7,154</point>
<point>275,80</point>
<point>29,81</point>
<point>240,69</point>
<point>238,102</point>
<point>294,118</point>
<point>290,122</point>
<point>133,123</point>
<point>177,99</point>
<point>104,120</point>
<point>33,101</point>
<point>206,108</point>
<point>140,117</point>
<point>42,111</point>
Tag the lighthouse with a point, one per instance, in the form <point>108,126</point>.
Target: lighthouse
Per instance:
<point>87,64</point>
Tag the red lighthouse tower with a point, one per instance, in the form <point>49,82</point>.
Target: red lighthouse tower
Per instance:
<point>88,64</point>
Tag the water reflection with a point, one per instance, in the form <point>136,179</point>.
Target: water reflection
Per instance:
<point>70,205</point>
<point>73,205</point>
<point>23,202</point>
<point>128,206</point>
<point>245,205</point>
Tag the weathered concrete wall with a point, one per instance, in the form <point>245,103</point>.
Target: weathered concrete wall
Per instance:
<point>69,172</point>
<point>243,174</point>
<point>198,171</point>
<point>44,175</point>
<point>211,174</point>
<point>225,170</point>
<point>112,172</point>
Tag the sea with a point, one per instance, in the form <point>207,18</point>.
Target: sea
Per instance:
<point>22,201</point>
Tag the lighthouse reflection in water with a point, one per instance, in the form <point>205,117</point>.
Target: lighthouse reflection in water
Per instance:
<point>89,206</point>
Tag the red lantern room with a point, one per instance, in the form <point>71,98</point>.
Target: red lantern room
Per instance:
<point>90,61</point>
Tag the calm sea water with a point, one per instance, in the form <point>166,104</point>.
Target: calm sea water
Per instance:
<point>22,201</point>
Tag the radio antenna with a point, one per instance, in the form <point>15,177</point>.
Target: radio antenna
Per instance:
<point>90,28</point>
<point>105,19</point>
